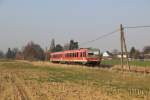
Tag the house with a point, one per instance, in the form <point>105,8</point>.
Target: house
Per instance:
<point>107,55</point>
<point>147,56</point>
<point>118,55</point>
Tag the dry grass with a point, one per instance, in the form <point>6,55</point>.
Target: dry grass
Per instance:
<point>46,81</point>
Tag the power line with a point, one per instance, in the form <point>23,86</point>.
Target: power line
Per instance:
<point>137,27</point>
<point>100,37</point>
<point>108,34</point>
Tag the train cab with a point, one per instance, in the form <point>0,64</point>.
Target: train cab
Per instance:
<point>93,56</point>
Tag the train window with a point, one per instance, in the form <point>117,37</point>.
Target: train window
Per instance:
<point>70,54</point>
<point>90,53</point>
<point>76,54</point>
<point>67,54</point>
<point>80,54</point>
<point>84,54</point>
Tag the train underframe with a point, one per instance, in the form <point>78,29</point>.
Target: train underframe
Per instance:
<point>93,63</point>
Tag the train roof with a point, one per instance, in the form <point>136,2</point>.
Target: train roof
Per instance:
<point>81,49</point>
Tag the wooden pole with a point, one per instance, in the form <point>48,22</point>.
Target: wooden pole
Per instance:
<point>121,42</point>
<point>126,51</point>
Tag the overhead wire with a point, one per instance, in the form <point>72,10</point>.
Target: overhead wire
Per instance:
<point>108,34</point>
<point>100,37</point>
<point>126,27</point>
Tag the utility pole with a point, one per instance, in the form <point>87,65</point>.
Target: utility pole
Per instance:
<point>123,45</point>
<point>126,52</point>
<point>121,42</point>
<point>46,55</point>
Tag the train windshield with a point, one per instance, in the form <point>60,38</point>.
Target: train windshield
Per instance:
<point>93,53</point>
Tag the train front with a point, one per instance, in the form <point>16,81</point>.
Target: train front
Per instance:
<point>93,56</point>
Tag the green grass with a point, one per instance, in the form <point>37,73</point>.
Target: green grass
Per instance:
<point>111,62</point>
<point>135,63</point>
<point>141,63</point>
<point>7,60</point>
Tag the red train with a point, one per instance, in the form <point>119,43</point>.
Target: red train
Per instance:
<point>80,56</point>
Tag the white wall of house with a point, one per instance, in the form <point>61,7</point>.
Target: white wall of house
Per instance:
<point>119,56</point>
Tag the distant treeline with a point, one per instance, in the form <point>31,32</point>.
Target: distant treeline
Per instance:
<point>33,51</point>
<point>133,53</point>
<point>136,54</point>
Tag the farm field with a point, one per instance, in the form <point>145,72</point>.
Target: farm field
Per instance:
<point>46,81</point>
<point>133,63</point>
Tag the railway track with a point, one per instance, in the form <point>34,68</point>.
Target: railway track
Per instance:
<point>135,70</point>
<point>144,71</point>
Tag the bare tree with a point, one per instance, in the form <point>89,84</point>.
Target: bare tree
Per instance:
<point>1,54</point>
<point>33,51</point>
<point>73,45</point>
<point>52,46</point>
<point>58,48</point>
<point>66,46</point>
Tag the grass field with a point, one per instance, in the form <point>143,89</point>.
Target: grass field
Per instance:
<point>134,63</point>
<point>46,81</point>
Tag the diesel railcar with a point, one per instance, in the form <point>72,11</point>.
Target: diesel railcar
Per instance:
<point>80,56</point>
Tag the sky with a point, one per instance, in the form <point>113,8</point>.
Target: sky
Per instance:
<point>22,21</point>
